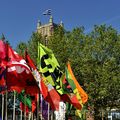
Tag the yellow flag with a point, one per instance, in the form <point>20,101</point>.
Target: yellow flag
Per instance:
<point>49,67</point>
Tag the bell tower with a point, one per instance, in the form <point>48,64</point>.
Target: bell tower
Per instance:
<point>47,29</point>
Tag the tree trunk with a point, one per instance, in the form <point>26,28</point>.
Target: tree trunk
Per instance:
<point>96,113</point>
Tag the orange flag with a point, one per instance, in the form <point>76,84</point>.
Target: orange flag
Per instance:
<point>82,93</point>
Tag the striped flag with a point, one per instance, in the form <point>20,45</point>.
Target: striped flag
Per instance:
<point>74,86</point>
<point>77,89</point>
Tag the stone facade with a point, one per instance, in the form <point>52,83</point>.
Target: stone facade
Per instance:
<point>46,30</point>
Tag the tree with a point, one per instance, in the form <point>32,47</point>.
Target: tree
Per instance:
<point>95,60</point>
<point>58,44</point>
<point>101,67</point>
<point>21,47</point>
<point>33,45</point>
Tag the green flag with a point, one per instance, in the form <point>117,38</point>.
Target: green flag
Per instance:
<point>72,82</point>
<point>49,67</point>
<point>26,100</point>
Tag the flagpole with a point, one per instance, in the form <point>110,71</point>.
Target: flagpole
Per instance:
<point>32,116</point>
<point>48,110</point>
<point>51,115</point>
<point>25,107</point>
<point>41,105</point>
<point>40,96</point>
<point>14,105</point>
<point>21,114</point>
<point>38,106</point>
<point>46,42</point>
<point>6,105</point>
<point>3,96</point>
<point>6,78</point>
<point>2,106</point>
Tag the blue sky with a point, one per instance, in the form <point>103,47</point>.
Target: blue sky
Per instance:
<point>18,18</point>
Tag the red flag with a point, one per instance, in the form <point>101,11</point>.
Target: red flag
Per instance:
<point>2,68</point>
<point>70,97</point>
<point>37,76</point>
<point>2,76</point>
<point>33,106</point>
<point>53,97</point>
<point>28,100</point>
<point>2,79</point>
<point>2,50</point>
<point>24,107</point>
<point>47,90</point>
<point>34,102</point>
<point>18,74</point>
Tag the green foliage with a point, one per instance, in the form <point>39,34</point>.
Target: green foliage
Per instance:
<point>58,44</point>
<point>95,61</point>
<point>31,46</point>
<point>21,48</point>
<point>104,52</point>
<point>94,58</point>
<point>100,67</point>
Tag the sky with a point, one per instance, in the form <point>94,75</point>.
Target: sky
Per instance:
<point>18,18</point>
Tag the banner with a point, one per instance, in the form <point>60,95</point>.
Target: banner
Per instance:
<point>49,67</point>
